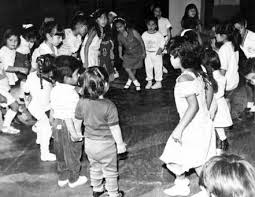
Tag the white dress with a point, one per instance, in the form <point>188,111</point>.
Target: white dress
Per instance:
<point>198,140</point>
<point>93,56</point>
<point>222,117</point>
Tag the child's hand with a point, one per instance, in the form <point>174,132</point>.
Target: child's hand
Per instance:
<point>76,137</point>
<point>121,148</point>
<point>23,70</point>
<point>28,99</point>
<point>159,52</point>
<point>177,135</point>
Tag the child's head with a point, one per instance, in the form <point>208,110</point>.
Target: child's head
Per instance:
<point>157,11</point>
<point>211,59</point>
<point>29,33</point>
<point>67,70</point>
<point>111,16</point>
<point>191,11</point>
<point>11,39</point>
<point>151,23</point>
<point>228,176</point>
<point>120,24</point>
<point>184,54</point>
<point>240,24</point>
<point>79,24</point>
<point>100,17</point>
<point>46,64</point>
<point>96,82</point>
<point>52,33</point>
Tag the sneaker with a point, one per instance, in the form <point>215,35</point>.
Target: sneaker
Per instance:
<point>97,194</point>
<point>252,109</point>
<point>157,85</point>
<point>10,130</point>
<point>48,157</point>
<point>165,70</point>
<point>62,183</point>
<point>181,188</point>
<point>81,180</point>
<point>148,86</point>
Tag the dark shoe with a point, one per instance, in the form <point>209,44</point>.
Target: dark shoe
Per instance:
<point>97,194</point>
<point>121,194</point>
<point>224,145</point>
<point>123,156</point>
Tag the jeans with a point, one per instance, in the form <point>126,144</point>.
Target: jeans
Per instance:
<point>68,153</point>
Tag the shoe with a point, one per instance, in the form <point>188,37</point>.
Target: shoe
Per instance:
<point>48,157</point>
<point>129,82</point>
<point>148,86</point>
<point>165,70</point>
<point>62,183</point>
<point>250,105</point>
<point>97,194</point>
<point>10,130</point>
<point>252,109</point>
<point>157,85</point>
<point>81,181</point>
<point>119,194</point>
<point>137,85</point>
<point>181,188</point>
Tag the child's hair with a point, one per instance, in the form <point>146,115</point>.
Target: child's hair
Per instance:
<point>151,18</point>
<point>189,7</point>
<point>95,79</point>
<point>211,62</point>
<point>9,33</point>
<point>192,36</point>
<point>157,5</point>
<point>29,32</point>
<point>189,53</point>
<point>240,20</point>
<point>249,66</point>
<point>79,19</point>
<point>65,67</point>
<point>232,34</point>
<point>228,176</point>
<point>47,28</point>
<point>206,39</point>
<point>119,20</point>
<point>46,64</point>
<point>95,15</point>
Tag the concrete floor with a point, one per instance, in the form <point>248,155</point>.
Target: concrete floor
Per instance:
<point>147,119</point>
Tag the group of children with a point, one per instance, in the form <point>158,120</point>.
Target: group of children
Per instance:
<point>65,94</point>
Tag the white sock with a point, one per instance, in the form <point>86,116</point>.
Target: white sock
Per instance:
<point>250,104</point>
<point>9,116</point>
<point>221,133</point>
<point>129,81</point>
<point>136,83</point>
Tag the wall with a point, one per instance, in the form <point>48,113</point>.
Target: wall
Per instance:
<point>225,9</point>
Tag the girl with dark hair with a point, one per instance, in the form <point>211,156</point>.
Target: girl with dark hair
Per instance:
<point>103,138</point>
<point>190,20</point>
<point>194,135</point>
<point>90,47</point>
<point>131,51</point>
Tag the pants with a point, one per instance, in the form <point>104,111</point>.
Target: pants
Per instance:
<point>153,62</point>
<point>44,131</point>
<point>102,156</point>
<point>68,153</point>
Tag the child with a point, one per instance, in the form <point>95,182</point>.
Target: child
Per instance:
<point>131,50</point>
<point>154,45</point>
<point>106,57</point>
<point>227,176</point>
<point>194,134</point>
<point>67,137</point>
<point>190,19</point>
<point>229,56</point>
<point>73,36</point>
<point>37,98</point>
<point>222,118</point>
<point>52,37</point>
<point>247,46</point>
<point>91,44</point>
<point>103,139</point>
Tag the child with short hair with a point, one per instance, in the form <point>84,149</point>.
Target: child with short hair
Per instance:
<point>103,138</point>
<point>154,44</point>
<point>67,138</point>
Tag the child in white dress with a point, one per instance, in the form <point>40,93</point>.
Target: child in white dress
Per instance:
<point>192,142</point>
<point>222,118</point>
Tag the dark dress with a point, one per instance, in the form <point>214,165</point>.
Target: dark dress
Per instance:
<point>133,51</point>
<point>105,56</point>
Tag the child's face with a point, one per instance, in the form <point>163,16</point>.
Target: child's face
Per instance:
<point>102,20</point>
<point>54,39</point>
<point>110,18</point>
<point>74,79</point>
<point>240,28</point>
<point>192,13</point>
<point>157,12</point>
<point>82,29</point>
<point>220,37</point>
<point>120,27</point>
<point>31,42</point>
<point>12,42</point>
<point>175,61</point>
<point>151,26</point>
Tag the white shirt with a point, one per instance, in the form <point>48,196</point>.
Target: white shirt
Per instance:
<point>7,58</point>
<point>229,62</point>
<point>64,99</point>
<point>71,43</point>
<point>43,49</point>
<point>153,41</point>
<point>40,97</point>
<point>248,45</point>
<point>163,25</point>
<point>24,47</point>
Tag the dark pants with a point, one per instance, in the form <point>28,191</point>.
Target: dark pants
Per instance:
<point>68,153</point>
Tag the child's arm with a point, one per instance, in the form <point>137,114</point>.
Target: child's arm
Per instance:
<point>75,137</point>
<point>91,36</point>
<point>77,125</point>
<point>209,95</point>
<point>116,133</point>
<point>17,69</point>
<point>138,36</point>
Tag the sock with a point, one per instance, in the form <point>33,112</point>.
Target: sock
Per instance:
<point>221,133</point>
<point>9,116</point>
<point>129,81</point>
<point>136,83</point>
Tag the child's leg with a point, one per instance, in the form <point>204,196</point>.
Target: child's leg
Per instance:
<point>136,82</point>
<point>157,64</point>
<point>149,71</point>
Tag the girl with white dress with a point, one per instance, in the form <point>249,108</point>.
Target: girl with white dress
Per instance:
<point>222,118</point>
<point>192,142</point>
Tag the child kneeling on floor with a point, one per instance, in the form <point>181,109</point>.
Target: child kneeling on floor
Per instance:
<point>67,138</point>
<point>103,138</point>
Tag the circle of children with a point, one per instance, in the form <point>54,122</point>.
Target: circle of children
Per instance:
<point>62,83</point>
